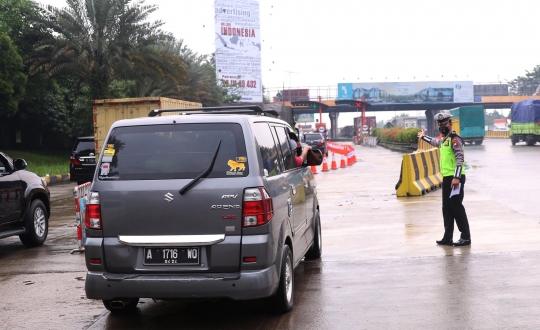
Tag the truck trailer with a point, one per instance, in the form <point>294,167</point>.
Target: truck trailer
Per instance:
<point>469,122</point>
<point>525,125</point>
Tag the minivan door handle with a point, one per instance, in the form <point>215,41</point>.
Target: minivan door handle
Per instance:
<point>293,189</point>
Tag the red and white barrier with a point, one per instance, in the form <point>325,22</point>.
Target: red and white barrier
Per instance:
<point>81,198</point>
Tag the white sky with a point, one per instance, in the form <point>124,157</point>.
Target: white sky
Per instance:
<point>321,43</point>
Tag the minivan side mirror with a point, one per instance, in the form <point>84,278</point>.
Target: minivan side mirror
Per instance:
<point>314,157</point>
<point>19,164</point>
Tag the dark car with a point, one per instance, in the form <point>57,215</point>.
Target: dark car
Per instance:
<point>316,141</point>
<point>83,160</point>
<point>24,203</point>
<point>200,206</point>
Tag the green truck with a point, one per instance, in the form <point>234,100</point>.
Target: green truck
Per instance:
<point>471,124</point>
<point>525,125</point>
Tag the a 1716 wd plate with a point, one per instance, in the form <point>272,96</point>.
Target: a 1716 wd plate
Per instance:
<point>171,256</point>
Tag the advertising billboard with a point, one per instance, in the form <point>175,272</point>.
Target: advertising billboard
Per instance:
<point>238,47</point>
<point>408,92</point>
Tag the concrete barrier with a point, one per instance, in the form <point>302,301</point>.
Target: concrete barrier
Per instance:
<point>420,173</point>
<point>497,135</point>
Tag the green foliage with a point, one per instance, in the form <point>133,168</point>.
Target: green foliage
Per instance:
<point>526,85</point>
<point>99,42</point>
<point>12,78</point>
<point>397,134</point>
<point>43,163</point>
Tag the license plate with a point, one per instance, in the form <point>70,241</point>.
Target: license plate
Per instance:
<point>171,256</point>
<point>89,160</point>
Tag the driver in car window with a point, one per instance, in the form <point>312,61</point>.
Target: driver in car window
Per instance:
<point>303,152</point>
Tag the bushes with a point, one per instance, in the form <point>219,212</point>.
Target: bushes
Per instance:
<point>397,134</point>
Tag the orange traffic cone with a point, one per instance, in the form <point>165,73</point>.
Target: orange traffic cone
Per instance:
<point>349,157</point>
<point>313,169</point>
<point>353,156</point>
<point>325,164</point>
<point>334,165</point>
<point>343,163</point>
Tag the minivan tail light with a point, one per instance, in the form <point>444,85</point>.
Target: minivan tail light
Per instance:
<point>93,212</point>
<point>74,161</point>
<point>257,208</point>
<point>320,144</point>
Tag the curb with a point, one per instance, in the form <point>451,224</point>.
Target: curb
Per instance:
<point>55,179</point>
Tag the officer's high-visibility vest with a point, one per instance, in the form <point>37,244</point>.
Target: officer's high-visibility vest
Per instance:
<point>448,158</point>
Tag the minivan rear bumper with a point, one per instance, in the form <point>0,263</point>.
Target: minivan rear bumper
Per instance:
<point>238,286</point>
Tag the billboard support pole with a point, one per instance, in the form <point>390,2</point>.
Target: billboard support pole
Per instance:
<point>320,110</point>
<point>363,110</point>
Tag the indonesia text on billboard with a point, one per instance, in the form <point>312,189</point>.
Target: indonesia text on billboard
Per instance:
<point>238,46</point>
<point>408,92</point>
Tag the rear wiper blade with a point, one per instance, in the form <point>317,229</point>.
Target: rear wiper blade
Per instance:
<point>203,174</point>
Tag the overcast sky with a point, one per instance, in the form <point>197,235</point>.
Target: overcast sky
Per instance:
<point>321,43</point>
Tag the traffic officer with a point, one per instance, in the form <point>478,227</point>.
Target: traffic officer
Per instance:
<point>452,161</point>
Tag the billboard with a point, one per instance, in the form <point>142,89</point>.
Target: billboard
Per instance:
<point>408,92</point>
<point>238,47</point>
<point>305,118</point>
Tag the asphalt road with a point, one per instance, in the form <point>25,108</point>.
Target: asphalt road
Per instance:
<point>380,269</point>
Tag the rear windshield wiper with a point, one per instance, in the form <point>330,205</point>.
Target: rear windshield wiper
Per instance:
<point>203,174</point>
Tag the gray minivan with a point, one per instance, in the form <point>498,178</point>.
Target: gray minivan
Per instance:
<point>206,204</point>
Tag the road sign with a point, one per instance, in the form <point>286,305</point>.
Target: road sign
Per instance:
<point>365,128</point>
<point>321,129</point>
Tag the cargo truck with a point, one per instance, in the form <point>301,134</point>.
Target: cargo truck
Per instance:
<point>469,123</point>
<point>106,112</point>
<point>525,124</point>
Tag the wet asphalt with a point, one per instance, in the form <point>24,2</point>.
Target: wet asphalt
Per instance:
<point>380,268</point>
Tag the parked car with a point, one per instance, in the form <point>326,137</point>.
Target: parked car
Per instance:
<point>202,205</point>
<point>316,141</point>
<point>82,163</point>
<point>24,203</point>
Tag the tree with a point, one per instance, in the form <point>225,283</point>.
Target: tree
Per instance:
<point>526,85</point>
<point>100,42</point>
<point>12,78</point>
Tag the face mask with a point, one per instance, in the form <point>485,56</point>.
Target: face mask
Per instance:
<point>444,130</point>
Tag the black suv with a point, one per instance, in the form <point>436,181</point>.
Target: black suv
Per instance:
<point>83,160</point>
<point>316,141</point>
<point>24,203</point>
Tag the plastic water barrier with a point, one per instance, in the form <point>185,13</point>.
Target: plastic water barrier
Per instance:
<point>420,173</point>
<point>81,198</point>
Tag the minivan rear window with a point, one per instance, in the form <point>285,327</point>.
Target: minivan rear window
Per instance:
<point>312,137</point>
<point>179,151</point>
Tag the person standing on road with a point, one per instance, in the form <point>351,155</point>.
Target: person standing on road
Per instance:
<point>452,161</point>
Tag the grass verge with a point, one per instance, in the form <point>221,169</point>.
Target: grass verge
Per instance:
<point>43,162</point>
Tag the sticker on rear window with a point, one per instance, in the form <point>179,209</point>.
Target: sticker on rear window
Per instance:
<point>241,159</point>
<point>110,146</point>
<point>108,152</point>
<point>107,159</point>
<point>236,168</point>
<point>105,167</point>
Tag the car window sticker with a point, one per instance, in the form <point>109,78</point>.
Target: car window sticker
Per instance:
<point>105,167</point>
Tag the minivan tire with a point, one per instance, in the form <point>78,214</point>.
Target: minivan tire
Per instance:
<point>315,251</point>
<point>37,224</point>
<point>129,305</point>
<point>283,300</point>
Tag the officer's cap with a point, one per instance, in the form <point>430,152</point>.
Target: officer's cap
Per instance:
<point>442,118</point>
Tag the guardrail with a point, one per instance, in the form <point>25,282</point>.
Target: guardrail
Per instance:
<point>497,135</point>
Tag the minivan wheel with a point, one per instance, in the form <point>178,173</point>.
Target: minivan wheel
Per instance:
<point>121,305</point>
<point>316,249</point>
<point>37,222</point>
<point>284,298</point>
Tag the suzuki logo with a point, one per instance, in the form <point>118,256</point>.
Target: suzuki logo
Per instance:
<point>169,197</point>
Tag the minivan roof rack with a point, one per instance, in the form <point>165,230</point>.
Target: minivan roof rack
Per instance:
<point>241,109</point>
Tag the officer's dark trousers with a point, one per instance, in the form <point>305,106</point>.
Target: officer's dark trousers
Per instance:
<point>452,208</point>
